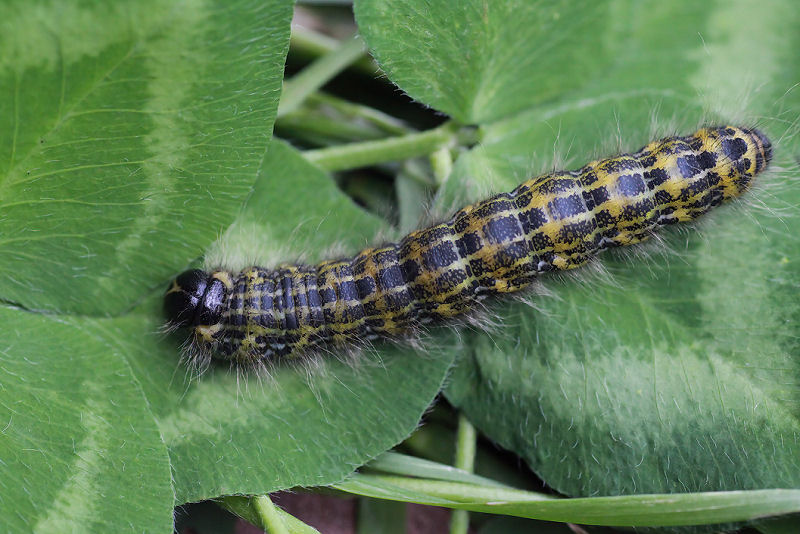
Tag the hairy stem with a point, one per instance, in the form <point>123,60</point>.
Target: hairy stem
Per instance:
<point>356,155</point>
<point>326,120</point>
<point>317,129</point>
<point>308,43</point>
<point>379,119</point>
<point>466,442</point>
<point>244,508</point>
<point>442,164</point>
<point>318,73</point>
<point>268,513</point>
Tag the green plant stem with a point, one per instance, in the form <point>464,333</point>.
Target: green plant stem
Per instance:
<point>379,119</point>
<point>401,464</point>
<point>325,120</point>
<point>656,510</point>
<point>356,155</point>
<point>317,129</point>
<point>466,440</point>
<point>434,441</point>
<point>242,507</point>
<point>442,164</point>
<point>318,73</point>
<point>310,44</point>
<point>268,514</point>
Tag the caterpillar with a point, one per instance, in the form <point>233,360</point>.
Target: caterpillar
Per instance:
<point>554,222</point>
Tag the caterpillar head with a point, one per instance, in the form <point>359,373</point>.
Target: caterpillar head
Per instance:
<point>197,299</point>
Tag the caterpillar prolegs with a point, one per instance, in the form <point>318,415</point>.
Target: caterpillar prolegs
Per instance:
<point>553,222</point>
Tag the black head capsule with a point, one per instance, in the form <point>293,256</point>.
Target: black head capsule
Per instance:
<point>197,298</point>
<point>183,296</point>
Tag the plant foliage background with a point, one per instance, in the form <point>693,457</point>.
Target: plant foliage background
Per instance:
<point>132,136</point>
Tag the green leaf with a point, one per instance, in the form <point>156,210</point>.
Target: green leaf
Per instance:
<point>478,61</point>
<point>305,425</point>
<point>130,134</point>
<point>79,449</point>
<point>121,121</point>
<point>296,211</point>
<point>678,372</point>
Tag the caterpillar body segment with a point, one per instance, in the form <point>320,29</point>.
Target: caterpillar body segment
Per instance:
<point>553,222</point>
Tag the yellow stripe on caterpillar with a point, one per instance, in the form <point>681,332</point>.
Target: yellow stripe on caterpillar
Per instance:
<point>553,222</point>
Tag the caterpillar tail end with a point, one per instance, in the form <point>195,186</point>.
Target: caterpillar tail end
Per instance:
<point>737,155</point>
<point>765,148</point>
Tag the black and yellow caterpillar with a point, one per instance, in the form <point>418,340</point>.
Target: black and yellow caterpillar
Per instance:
<point>553,222</point>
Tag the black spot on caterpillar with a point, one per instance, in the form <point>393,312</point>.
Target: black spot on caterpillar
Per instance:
<point>554,222</point>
